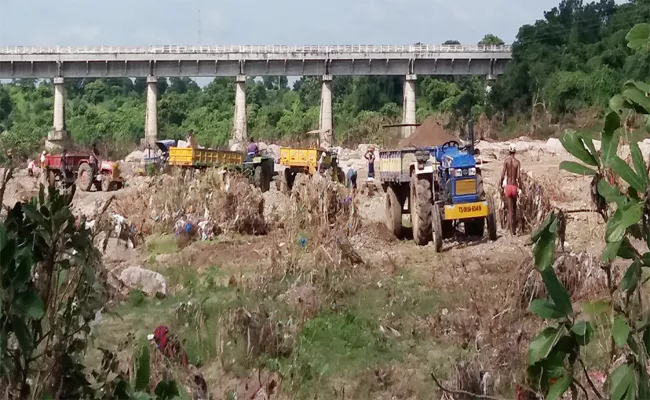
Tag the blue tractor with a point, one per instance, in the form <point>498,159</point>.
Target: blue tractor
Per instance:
<point>443,187</point>
<point>459,195</point>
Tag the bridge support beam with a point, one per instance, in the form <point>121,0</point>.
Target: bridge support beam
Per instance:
<point>58,136</point>
<point>239,131</point>
<point>325,122</point>
<point>408,111</point>
<point>151,118</point>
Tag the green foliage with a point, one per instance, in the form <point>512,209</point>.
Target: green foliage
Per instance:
<point>554,352</point>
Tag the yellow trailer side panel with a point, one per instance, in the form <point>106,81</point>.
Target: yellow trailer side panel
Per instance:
<point>291,157</point>
<point>182,156</point>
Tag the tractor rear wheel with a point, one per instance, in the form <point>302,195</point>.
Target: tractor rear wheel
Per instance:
<point>393,212</point>
<point>85,177</point>
<point>491,220</point>
<point>436,227</point>
<point>420,203</point>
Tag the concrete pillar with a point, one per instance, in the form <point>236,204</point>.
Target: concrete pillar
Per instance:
<point>239,133</point>
<point>151,119</point>
<point>325,122</point>
<point>408,111</point>
<point>58,136</point>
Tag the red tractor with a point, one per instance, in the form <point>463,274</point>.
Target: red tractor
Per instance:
<point>80,172</point>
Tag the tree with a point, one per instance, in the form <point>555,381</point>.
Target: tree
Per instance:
<point>491,40</point>
<point>555,362</point>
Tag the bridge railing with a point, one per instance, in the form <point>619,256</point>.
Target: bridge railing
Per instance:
<point>256,49</point>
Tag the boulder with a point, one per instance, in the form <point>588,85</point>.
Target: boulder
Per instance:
<point>150,282</point>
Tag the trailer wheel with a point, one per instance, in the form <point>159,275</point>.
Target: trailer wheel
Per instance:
<point>393,212</point>
<point>436,228</point>
<point>85,177</point>
<point>491,220</point>
<point>420,202</point>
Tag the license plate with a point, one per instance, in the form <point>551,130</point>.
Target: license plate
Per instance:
<point>465,186</point>
<point>469,210</point>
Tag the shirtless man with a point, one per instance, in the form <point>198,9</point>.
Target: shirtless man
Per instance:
<point>511,174</point>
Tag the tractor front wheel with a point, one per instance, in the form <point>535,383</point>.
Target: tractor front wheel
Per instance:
<point>420,202</point>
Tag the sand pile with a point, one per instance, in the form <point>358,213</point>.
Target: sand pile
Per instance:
<point>430,133</point>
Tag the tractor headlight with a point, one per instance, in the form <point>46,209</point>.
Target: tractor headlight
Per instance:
<point>457,172</point>
<point>472,171</point>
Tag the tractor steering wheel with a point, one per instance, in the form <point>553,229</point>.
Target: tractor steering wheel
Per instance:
<point>450,144</point>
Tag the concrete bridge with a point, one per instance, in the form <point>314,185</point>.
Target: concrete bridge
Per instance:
<point>241,61</point>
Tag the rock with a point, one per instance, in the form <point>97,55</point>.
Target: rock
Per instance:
<point>150,282</point>
<point>135,156</point>
<point>554,146</point>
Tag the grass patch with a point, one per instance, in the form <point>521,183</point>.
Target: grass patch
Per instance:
<point>334,344</point>
<point>161,244</point>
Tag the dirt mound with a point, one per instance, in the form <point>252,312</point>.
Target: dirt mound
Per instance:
<point>430,133</point>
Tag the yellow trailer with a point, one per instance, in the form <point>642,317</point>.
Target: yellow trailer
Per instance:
<point>199,158</point>
<point>305,161</point>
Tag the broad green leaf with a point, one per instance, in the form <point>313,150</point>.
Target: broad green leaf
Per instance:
<point>544,250</point>
<point>576,168</point>
<point>610,138</point>
<point>583,331</point>
<point>546,309</point>
<point>559,387</point>
<point>626,173</point>
<point>620,381</point>
<point>638,99</point>
<point>646,340</point>
<point>609,192</point>
<point>637,37</point>
<point>639,164</point>
<point>631,277</point>
<point>620,331</point>
<point>572,142</point>
<point>142,371</point>
<point>622,219</point>
<point>616,103</point>
<point>646,259</point>
<point>556,291</point>
<point>589,143</point>
<point>542,344</point>
<point>141,396</point>
<point>543,227</point>
<point>626,250</point>
<point>29,304</point>
<point>642,86</point>
<point>611,250</point>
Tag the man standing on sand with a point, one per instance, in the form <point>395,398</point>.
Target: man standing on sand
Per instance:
<point>370,156</point>
<point>511,182</point>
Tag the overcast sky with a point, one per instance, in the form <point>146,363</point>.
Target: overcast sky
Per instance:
<point>148,22</point>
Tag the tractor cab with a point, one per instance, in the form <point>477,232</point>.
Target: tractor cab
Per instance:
<point>457,173</point>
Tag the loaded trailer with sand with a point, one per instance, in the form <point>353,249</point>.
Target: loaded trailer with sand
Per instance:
<point>442,184</point>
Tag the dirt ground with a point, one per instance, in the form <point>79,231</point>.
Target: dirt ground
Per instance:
<point>426,311</point>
